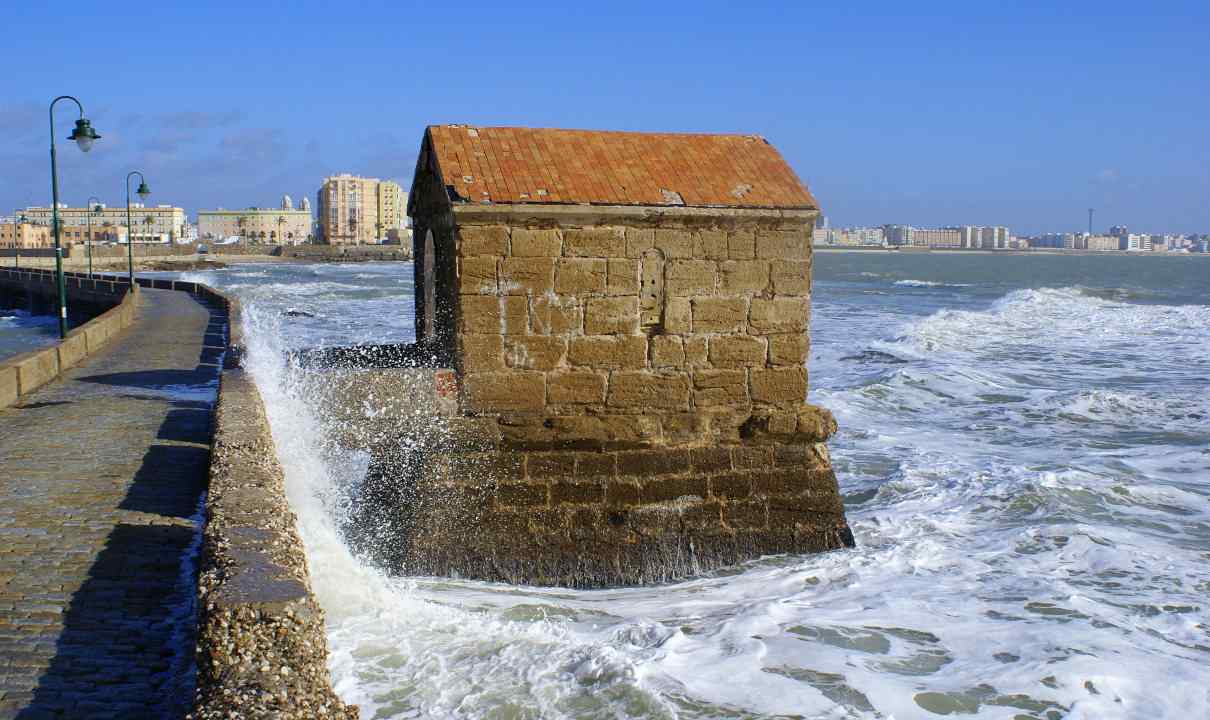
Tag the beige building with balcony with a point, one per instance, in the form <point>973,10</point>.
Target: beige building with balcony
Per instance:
<point>158,224</point>
<point>355,210</point>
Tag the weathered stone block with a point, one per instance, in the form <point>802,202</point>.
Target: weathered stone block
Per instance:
<point>612,352</point>
<point>482,240</point>
<point>710,460</point>
<point>677,316</point>
<point>601,242</point>
<point>631,430</point>
<point>731,486</point>
<point>752,457</point>
<point>668,489</point>
<point>9,390</point>
<point>695,351</point>
<point>779,314</point>
<point>650,463</point>
<point>612,315</point>
<point>783,244</point>
<point>638,240</point>
<point>745,515</point>
<point>792,277</point>
<point>790,455</point>
<point>576,493</point>
<point>503,315</point>
<point>648,390</point>
<point>710,244</point>
<point>621,492</point>
<point>674,243</point>
<point>521,494</point>
<point>741,244</point>
<point>504,391</point>
<point>788,349</point>
<point>575,388</point>
<point>816,424</point>
<point>780,481</point>
<point>736,351</point>
<point>527,276</point>
<point>719,314</point>
<point>596,464</point>
<point>35,369</point>
<point>478,275</point>
<point>535,352</point>
<point>690,277</point>
<point>576,276</point>
<point>779,385</point>
<point>481,353</point>
<point>744,276</point>
<point>720,387</point>
<point>536,243</point>
<point>551,464</point>
<point>667,351</point>
<point>623,277</point>
<point>555,315</point>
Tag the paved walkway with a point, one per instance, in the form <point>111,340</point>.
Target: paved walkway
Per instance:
<point>101,475</point>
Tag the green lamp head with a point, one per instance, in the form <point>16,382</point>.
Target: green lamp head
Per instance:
<point>143,190</point>
<point>83,134</point>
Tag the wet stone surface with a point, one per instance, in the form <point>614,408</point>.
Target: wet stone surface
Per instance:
<point>101,475</point>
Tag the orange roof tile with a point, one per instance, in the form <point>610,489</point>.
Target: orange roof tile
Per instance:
<point>545,166</point>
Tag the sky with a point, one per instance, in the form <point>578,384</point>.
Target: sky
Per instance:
<point>1021,114</point>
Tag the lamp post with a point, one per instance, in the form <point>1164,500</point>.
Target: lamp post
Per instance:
<point>281,219</point>
<point>92,210</point>
<point>84,136</point>
<point>143,192</point>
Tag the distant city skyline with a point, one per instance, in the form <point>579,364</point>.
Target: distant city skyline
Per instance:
<point>943,115</point>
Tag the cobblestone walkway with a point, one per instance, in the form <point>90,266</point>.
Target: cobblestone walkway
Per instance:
<point>101,476</point>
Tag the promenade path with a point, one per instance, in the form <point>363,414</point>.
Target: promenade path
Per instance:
<point>101,478</point>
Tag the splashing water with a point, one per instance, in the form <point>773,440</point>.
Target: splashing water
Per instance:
<point>1026,471</point>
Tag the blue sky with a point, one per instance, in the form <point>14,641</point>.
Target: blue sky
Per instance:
<point>1022,114</point>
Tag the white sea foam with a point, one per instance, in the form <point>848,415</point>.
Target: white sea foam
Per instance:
<point>1030,503</point>
<point>928,283</point>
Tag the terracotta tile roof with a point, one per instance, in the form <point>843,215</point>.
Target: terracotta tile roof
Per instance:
<point>528,165</point>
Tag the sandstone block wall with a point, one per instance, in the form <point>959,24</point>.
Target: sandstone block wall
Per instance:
<point>696,328</point>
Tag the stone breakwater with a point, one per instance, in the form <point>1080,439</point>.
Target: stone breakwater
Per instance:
<point>261,644</point>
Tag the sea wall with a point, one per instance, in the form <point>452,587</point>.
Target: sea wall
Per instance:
<point>261,644</point>
<point>109,304</point>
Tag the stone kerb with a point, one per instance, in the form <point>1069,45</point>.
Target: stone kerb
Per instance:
<point>262,651</point>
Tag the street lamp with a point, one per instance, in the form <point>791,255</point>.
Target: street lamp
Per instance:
<point>84,136</point>
<point>143,192</point>
<point>92,210</point>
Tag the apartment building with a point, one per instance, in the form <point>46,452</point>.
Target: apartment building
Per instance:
<point>158,224</point>
<point>356,210</point>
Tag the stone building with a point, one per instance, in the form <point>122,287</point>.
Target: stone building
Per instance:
<point>626,316</point>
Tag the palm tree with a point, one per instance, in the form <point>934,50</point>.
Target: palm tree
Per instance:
<point>147,221</point>
<point>241,222</point>
<point>281,220</point>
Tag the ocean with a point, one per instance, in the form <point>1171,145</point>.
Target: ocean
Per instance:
<point>1024,452</point>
